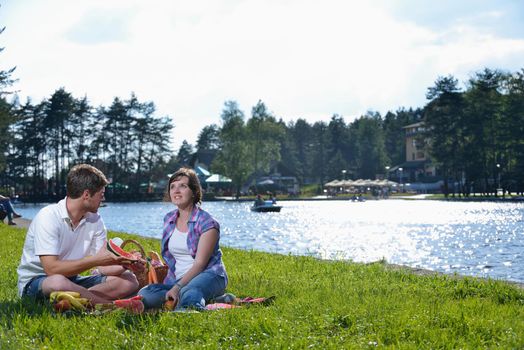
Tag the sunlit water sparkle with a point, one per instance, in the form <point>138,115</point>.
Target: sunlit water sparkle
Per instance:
<point>475,238</point>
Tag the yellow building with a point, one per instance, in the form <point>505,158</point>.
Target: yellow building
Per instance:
<point>418,164</point>
<point>415,147</point>
<point>417,172</point>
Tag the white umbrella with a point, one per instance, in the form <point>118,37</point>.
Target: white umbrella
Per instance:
<point>333,183</point>
<point>346,183</point>
<point>266,182</point>
<point>218,178</point>
<point>359,182</point>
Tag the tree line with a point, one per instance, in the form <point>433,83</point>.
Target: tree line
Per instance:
<point>247,148</point>
<point>476,135</point>
<point>126,140</point>
<point>473,135</point>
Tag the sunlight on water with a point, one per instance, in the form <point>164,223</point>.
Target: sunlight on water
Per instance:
<point>476,238</point>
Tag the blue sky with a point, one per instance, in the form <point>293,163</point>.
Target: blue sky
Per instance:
<point>304,59</point>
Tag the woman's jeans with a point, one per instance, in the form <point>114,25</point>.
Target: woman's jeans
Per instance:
<point>203,287</point>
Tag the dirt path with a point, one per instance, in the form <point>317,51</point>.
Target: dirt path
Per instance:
<point>20,222</point>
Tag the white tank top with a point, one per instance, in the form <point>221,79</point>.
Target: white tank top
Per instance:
<point>177,246</point>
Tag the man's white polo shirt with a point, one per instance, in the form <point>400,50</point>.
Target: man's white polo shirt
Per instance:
<point>51,233</point>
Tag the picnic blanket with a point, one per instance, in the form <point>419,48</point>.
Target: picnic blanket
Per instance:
<point>239,302</point>
<point>68,302</point>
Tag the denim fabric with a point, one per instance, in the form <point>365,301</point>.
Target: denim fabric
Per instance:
<point>3,212</point>
<point>7,208</point>
<point>204,287</point>
<point>33,289</point>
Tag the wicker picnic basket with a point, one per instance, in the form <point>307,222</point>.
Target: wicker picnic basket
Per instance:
<point>156,270</point>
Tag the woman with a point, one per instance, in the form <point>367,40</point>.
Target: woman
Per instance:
<point>190,247</point>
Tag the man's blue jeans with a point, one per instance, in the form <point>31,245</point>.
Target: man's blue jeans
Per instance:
<point>204,287</point>
<point>33,288</point>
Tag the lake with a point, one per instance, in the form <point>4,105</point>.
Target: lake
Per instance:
<point>484,239</point>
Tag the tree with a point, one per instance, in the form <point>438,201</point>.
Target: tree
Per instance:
<point>511,131</point>
<point>58,111</point>
<point>370,150</point>
<point>444,122</point>
<point>301,134</point>
<point>157,148</point>
<point>118,136</point>
<point>150,136</point>
<point>80,131</point>
<point>289,163</point>
<point>208,138</point>
<point>336,164</point>
<point>28,161</point>
<point>321,148</point>
<point>482,116</point>
<point>234,159</point>
<point>265,137</point>
<point>5,136</point>
<point>185,153</point>
<point>340,147</point>
<point>6,117</point>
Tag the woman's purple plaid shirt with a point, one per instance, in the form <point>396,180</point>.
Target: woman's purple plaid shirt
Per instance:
<point>199,222</point>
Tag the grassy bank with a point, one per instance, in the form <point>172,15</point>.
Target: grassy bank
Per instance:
<point>319,304</point>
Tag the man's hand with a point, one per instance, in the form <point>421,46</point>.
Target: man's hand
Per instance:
<point>136,266</point>
<point>105,258</point>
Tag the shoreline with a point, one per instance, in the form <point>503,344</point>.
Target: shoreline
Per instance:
<point>427,196</point>
<point>425,272</point>
<point>370,198</point>
<point>24,223</point>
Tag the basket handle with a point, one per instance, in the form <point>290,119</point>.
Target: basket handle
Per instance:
<point>135,243</point>
<point>155,257</point>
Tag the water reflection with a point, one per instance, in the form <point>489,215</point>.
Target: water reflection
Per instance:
<point>481,239</point>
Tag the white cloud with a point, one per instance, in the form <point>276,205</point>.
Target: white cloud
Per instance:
<point>302,58</point>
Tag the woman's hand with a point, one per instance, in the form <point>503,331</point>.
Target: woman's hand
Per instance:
<point>173,294</point>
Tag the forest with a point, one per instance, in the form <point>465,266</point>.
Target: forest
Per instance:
<point>473,134</point>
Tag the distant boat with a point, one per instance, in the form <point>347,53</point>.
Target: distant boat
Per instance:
<point>268,206</point>
<point>356,198</point>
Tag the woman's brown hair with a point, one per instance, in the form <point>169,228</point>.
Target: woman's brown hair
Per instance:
<point>194,184</point>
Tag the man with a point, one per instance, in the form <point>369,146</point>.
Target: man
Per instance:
<point>259,201</point>
<point>67,238</point>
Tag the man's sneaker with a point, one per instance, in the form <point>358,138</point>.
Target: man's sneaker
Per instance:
<point>11,223</point>
<point>16,216</point>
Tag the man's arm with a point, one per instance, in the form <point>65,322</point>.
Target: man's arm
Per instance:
<point>54,266</point>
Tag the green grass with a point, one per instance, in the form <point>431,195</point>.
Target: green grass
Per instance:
<point>319,304</point>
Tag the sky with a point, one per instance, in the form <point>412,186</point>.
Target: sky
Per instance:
<point>302,58</point>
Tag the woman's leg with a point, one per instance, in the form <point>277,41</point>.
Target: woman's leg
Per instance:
<point>154,295</point>
<point>10,210</point>
<point>203,287</point>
